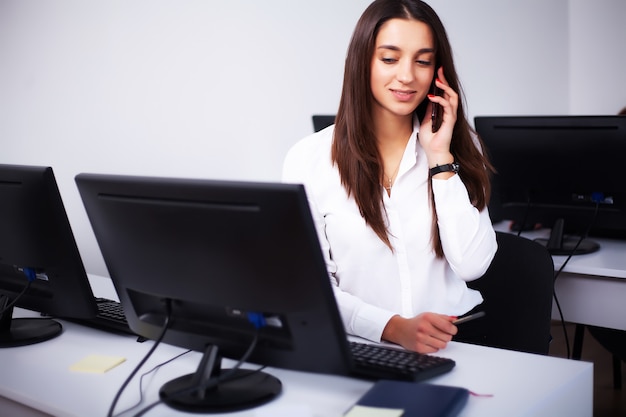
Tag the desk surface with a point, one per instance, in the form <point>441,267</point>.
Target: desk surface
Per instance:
<point>609,261</point>
<point>521,384</point>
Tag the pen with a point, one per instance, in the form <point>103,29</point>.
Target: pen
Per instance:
<point>465,319</point>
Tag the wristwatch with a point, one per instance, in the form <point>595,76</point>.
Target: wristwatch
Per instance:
<point>453,167</point>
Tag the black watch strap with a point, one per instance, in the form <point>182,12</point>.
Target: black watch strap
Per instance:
<point>453,167</point>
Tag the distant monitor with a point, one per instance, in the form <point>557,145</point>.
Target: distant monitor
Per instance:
<point>560,172</point>
<point>228,260</point>
<point>36,241</point>
<point>322,121</point>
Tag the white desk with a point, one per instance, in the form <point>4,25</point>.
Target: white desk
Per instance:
<point>522,384</point>
<point>591,289</point>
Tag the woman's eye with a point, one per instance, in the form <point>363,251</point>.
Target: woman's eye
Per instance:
<point>388,60</point>
<point>423,62</point>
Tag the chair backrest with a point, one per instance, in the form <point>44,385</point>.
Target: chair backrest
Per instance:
<point>518,289</point>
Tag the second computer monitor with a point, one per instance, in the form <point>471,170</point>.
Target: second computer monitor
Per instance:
<point>37,245</point>
<point>558,168</point>
<point>225,264</point>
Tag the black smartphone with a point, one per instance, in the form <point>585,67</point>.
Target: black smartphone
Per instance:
<point>436,114</point>
<point>467,318</point>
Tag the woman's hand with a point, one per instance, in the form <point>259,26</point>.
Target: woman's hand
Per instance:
<point>425,333</point>
<point>437,145</point>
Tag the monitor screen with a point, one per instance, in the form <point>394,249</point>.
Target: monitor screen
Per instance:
<point>558,172</point>
<point>40,266</point>
<point>223,264</point>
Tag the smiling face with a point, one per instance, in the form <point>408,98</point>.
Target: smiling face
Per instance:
<point>403,67</point>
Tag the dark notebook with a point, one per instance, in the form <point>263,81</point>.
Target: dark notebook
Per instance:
<point>415,398</point>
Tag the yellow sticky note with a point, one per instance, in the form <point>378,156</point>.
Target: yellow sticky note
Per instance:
<point>98,364</point>
<point>362,411</point>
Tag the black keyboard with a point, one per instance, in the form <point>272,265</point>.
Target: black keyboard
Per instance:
<point>385,362</point>
<point>111,313</point>
<point>110,317</point>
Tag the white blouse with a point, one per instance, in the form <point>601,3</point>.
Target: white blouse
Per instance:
<point>371,282</point>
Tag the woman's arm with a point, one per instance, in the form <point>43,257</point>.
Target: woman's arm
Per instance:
<point>467,235</point>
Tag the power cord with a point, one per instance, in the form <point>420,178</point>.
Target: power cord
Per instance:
<point>556,275</point>
<point>31,276</point>
<point>156,368</point>
<point>168,304</point>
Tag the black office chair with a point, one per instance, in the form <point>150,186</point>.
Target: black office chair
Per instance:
<point>517,289</point>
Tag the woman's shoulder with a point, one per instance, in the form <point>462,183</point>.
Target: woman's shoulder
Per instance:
<point>317,142</point>
<point>309,154</point>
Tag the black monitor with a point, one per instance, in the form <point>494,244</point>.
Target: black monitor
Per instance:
<point>560,172</point>
<point>322,121</point>
<point>37,246</point>
<point>228,262</point>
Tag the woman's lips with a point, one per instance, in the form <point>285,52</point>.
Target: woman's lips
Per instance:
<point>404,95</point>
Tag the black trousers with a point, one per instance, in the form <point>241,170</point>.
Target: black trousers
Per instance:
<point>474,331</point>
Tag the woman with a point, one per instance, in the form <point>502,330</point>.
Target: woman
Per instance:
<point>400,211</point>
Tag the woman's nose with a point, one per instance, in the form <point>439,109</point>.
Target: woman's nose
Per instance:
<point>405,72</point>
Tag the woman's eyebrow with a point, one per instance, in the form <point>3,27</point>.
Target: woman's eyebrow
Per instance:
<point>390,47</point>
<point>395,48</point>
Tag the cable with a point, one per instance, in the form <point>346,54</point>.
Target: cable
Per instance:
<point>31,276</point>
<point>157,367</point>
<point>556,298</point>
<point>525,218</point>
<point>166,323</point>
<point>558,306</point>
<point>556,275</point>
<point>10,305</point>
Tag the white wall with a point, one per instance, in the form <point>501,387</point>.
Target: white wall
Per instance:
<point>597,62</point>
<point>199,88</point>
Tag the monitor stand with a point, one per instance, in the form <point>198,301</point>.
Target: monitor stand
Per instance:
<point>239,389</point>
<point>25,331</point>
<point>559,244</point>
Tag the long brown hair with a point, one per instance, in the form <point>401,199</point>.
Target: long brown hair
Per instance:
<point>354,148</point>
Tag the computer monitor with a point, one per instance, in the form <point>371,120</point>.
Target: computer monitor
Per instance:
<point>560,172</point>
<point>227,261</point>
<point>322,121</point>
<point>37,245</point>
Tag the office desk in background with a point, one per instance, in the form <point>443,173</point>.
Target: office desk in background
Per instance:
<point>591,289</point>
<point>39,376</point>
